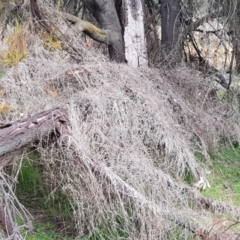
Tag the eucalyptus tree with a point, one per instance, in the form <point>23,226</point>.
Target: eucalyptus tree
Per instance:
<point>231,13</point>
<point>121,27</point>
<point>171,31</point>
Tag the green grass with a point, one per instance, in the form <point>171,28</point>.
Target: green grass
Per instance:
<point>1,74</point>
<point>225,176</point>
<point>45,231</point>
<point>34,193</point>
<point>112,229</point>
<point>31,190</point>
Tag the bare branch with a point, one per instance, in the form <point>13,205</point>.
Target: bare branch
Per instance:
<point>87,27</point>
<point>54,121</point>
<point>194,25</point>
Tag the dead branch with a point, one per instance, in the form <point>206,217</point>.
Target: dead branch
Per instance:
<point>43,22</point>
<point>195,24</point>
<point>19,134</point>
<point>88,28</point>
<point>38,16</point>
<point>206,68</point>
<point>153,16</point>
<point>5,224</point>
<point>14,136</point>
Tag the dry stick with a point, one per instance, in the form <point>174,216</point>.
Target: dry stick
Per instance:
<point>122,187</point>
<point>205,67</point>
<point>23,133</point>
<point>38,16</point>
<point>150,19</point>
<point>43,22</point>
<point>7,213</point>
<point>11,200</point>
<point>231,68</point>
<point>5,223</point>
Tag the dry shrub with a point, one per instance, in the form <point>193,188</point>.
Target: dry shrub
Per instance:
<point>51,43</point>
<point>16,47</point>
<point>197,107</point>
<point>214,44</point>
<point>142,125</point>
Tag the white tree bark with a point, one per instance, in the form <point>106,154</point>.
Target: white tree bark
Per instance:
<point>134,34</point>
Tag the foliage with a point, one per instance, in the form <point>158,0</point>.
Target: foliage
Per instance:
<point>33,192</point>
<point>1,74</point>
<point>17,49</point>
<point>45,231</point>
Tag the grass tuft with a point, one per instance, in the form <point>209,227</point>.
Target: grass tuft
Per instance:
<point>51,43</point>
<point>17,49</point>
<point>225,174</point>
<point>35,193</point>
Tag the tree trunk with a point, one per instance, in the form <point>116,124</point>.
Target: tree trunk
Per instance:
<point>134,33</point>
<point>106,15</point>
<point>236,38</point>
<point>171,32</point>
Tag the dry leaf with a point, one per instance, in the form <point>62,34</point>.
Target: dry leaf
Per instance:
<point>75,71</point>
<point>50,91</point>
<point>5,107</point>
<point>2,92</point>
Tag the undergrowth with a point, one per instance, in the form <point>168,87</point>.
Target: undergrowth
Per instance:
<point>43,199</point>
<point>44,231</point>
<point>225,175</point>
<point>1,74</point>
<point>17,49</point>
<point>51,43</point>
<point>134,134</point>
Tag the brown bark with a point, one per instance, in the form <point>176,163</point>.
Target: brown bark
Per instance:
<point>234,26</point>
<point>106,15</point>
<point>14,136</point>
<point>37,16</point>
<point>171,32</point>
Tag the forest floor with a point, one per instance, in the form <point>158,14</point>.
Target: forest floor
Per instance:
<point>138,140</point>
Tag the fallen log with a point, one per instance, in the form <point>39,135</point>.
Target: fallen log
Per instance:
<point>22,133</point>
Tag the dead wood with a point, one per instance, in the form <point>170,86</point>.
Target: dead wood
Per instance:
<point>38,16</point>
<point>14,136</point>
<point>19,134</point>
<point>5,223</point>
<point>52,29</point>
